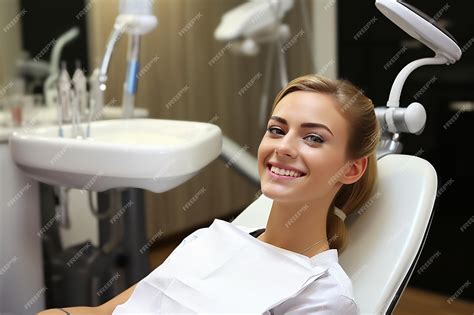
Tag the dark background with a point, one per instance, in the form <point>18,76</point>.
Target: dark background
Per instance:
<point>48,20</point>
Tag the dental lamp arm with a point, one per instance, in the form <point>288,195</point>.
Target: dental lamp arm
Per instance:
<point>395,92</point>
<point>413,118</point>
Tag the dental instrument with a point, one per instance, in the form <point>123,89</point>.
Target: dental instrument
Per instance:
<point>79,82</point>
<point>95,100</point>
<point>75,118</point>
<point>80,86</point>
<point>64,98</point>
<point>135,18</point>
<point>393,119</point>
<point>72,98</point>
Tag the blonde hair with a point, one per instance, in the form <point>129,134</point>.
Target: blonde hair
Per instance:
<point>358,110</point>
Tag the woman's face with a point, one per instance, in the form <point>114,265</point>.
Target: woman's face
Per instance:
<point>317,151</point>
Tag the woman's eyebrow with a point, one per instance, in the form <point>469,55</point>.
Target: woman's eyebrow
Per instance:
<point>303,125</point>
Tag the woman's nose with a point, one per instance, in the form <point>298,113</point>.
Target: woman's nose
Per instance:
<point>286,148</point>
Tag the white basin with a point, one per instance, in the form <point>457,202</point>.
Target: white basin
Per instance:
<point>40,116</point>
<point>153,154</point>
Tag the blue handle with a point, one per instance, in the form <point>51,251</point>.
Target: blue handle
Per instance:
<point>132,80</point>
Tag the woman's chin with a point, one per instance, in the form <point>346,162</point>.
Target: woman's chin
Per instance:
<point>277,194</point>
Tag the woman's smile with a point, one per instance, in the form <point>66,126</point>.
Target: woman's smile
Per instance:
<point>275,176</point>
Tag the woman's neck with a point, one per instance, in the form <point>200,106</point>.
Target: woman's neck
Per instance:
<point>297,226</point>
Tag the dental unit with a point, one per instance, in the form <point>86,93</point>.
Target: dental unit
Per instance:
<point>159,154</point>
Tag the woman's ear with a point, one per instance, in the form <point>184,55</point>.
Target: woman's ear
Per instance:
<point>355,171</point>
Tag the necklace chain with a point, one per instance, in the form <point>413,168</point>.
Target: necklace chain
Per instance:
<point>311,246</point>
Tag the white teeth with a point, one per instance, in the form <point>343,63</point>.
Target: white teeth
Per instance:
<point>284,172</point>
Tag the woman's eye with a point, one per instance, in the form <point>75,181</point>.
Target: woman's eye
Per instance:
<point>315,137</point>
<point>269,129</point>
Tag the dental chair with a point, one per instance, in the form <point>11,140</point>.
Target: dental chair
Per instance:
<point>386,236</point>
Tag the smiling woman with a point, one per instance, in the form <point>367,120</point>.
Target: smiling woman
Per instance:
<point>318,152</point>
<point>327,132</point>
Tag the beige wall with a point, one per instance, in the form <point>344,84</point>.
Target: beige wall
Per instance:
<point>211,94</point>
<point>10,39</point>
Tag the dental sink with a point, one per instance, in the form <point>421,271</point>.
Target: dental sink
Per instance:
<point>152,154</point>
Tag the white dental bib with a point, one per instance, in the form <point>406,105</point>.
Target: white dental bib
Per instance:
<point>224,270</point>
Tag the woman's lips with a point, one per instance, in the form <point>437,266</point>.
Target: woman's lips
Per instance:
<point>281,177</point>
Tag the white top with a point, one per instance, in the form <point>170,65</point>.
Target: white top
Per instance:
<point>193,271</point>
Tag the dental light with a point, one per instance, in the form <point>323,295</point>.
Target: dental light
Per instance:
<point>253,22</point>
<point>258,22</point>
<point>420,26</point>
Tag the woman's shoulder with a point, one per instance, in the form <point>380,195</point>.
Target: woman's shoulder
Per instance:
<point>336,278</point>
<point>329,294</point>
<point>325,295</point>
<point>340,280</point>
